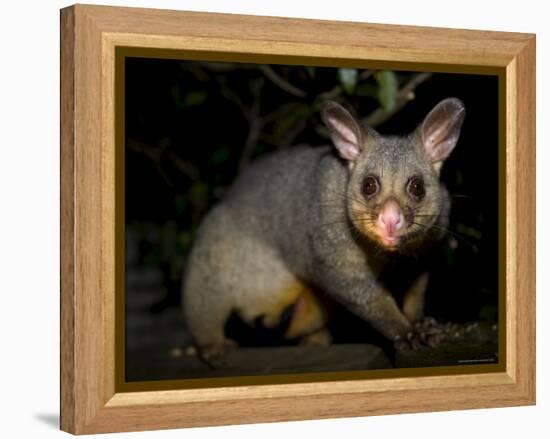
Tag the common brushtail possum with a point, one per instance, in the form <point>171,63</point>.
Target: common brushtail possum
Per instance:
<point>330,219</point>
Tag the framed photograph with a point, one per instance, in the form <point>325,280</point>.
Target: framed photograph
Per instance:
<point>268,219</point>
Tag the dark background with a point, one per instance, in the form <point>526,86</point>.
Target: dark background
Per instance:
<point>192,126</point>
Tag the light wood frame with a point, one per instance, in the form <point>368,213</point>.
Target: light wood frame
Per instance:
<point>90,401</point>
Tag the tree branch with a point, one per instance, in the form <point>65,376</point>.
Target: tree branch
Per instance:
<point>280,82</point>
<point>255,125</point>
<point>365,74</point>
<point>156,155</point>
<point>405,95</point>
<point>333,93</point>
<point>231,96</point>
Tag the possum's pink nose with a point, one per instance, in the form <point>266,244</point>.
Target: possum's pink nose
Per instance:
<point>390,222</point>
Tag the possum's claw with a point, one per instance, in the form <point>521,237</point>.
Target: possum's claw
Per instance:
<point>424,332</point>
<point>213,355</point>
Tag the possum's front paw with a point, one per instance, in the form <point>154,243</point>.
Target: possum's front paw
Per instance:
<point>424,333</point>
<point>213,354</point>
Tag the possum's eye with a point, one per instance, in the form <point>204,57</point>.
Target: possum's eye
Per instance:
<point>371,186</point>
<point>415,188</point>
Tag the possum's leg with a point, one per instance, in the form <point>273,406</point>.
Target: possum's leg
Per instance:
<point>209,295</point>
<point>376,305</point>
<point>309,317</point>
<point>322,337</point>
<point>205,316</point>
<point>413,301</point>
<point>429,330</point>
<point>231,270</point>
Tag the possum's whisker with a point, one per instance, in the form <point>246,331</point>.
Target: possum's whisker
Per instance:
<point>346,225</point>
<point>347,196</point>
<point>346,221</point>
<point>342,205</point>
<point>461,196</point>
<point>338,205</point>
<point>362,217</point>
<point>417,208</point>
<point>450,232</point>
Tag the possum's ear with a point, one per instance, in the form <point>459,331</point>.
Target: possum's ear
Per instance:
<point>344,130</point>
<point>441,128</point>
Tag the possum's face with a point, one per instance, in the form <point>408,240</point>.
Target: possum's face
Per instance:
<point>394,195</point>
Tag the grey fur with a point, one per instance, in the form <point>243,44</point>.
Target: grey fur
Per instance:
<point>292,215</point>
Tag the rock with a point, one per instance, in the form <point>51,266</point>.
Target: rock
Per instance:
<point>155,365</point>
<point>471,343</point>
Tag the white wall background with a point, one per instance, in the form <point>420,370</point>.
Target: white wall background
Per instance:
<point>29,206</point>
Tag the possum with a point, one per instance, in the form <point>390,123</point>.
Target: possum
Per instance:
<point>331,219</point>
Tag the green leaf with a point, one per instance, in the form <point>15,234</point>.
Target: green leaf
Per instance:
<point>488,313</point>
<point>367,89</point>
<point>448,254</point>
<point>153,258</point>
<point>198,194</point>
<point>459,179</point>
<point>388,88</point>
<point>348,78</point>
<point>468,231</point>
<point>290,119</point>
<point>184,239</point>
<point>219,156</point>
<point>191,99</point>
<point>195,98</point>
<point>181,204</point>
<point>168,238</point>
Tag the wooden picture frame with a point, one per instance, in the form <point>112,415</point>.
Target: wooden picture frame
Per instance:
<point>92,398</point>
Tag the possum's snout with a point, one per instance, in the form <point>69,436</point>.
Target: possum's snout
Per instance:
<point>389,223</point>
